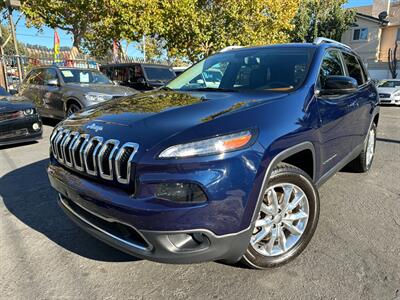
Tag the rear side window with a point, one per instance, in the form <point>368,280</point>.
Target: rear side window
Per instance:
<point>353,67</point>
<point>331,65</point>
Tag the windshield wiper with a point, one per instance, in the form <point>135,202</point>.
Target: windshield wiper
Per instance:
<point>206,89</point>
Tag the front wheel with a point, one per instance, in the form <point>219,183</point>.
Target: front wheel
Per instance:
<point>286,221</point>
<point>72,108</point>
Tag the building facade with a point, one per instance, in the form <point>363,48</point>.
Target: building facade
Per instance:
<point>376,30</point>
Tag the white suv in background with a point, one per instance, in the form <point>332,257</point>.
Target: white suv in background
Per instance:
<point>389,91</point>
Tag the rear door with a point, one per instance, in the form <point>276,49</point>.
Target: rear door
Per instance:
<point>363,100</point>
<point>335,123</point>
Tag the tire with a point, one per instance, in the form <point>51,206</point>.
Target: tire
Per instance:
<point>363,162</point>
<point>72,108</point>
<point>283,178</point>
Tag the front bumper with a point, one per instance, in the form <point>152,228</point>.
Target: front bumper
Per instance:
<point>21,130</point>
<point>389,101</point>
<point>100,210</point>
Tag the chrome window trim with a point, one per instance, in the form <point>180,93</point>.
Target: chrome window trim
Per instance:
<point>110,158</point>
<point>86,153</point>
<point>126,180</point>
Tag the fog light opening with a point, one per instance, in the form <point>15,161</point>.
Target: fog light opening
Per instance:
<point>180,192</point>
<point>36,126</point>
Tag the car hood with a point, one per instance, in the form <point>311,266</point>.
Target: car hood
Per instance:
<point>388,90</point>
<point>9,106</point>
<point>109,89</point>
<point>150,117</point>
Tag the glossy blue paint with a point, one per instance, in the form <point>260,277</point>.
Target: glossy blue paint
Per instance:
<point>157,120</point>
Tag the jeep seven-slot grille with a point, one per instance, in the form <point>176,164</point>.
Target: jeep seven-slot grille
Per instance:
<point>93,155</point>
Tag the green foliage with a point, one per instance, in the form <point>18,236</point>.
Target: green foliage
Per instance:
<point>186,29</point>
<point>325,18</point>
<point>72,16</point>
<point>197,28</point>
<point>9,48</point>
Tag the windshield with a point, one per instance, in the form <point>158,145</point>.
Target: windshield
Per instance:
<point>3,93</point>
<point>159,73</point>
<point>389,84</point>
<point>275,68</point>
<point>84,76</point>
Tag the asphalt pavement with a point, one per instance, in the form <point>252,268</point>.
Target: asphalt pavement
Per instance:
<point>354,254</point>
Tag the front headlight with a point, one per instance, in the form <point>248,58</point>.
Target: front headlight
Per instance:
<point>217,145</point>
<point>97,97</point>
<point>29,111</point>
<point>396,95</point>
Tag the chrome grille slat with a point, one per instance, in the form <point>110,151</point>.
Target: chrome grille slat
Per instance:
<point>100,158</point>
<point>93,155</point>
<point>120,178</point>
<point>80,147</point>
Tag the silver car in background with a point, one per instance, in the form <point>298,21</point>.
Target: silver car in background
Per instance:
<point>59,92</point>
<point>389,91</point>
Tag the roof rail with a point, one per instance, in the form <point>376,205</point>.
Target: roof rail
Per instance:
<point>321,40</point>
<point>229,48</point>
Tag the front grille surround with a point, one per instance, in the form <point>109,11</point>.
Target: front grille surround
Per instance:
<point>95,143</point>
<point>94,155</point>
<point>118,160</point>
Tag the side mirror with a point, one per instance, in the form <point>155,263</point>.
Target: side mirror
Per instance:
<point>339,85</point>
<point>142,81</point>
<point>52,82</point>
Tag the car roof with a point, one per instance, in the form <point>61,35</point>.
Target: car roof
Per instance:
<point>293,45</point>
<point>135,63</point>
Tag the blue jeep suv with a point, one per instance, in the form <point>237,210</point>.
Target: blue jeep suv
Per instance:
<point>202,170</point>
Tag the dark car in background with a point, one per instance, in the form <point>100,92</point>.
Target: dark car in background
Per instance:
<point>224,168</point>
<point>58,92</point>
<point>19,120</point>
<point>140,76</point>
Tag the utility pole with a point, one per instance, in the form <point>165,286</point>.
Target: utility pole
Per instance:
<point>10,4</point>
<point>10,18</point>
<point>144,48</point>
<point>3,70</point>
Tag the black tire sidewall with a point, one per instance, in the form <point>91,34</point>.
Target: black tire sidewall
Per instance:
<point>303,181</point>
<point>69,107</point>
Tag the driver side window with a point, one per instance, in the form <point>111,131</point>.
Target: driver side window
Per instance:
<point>331,65</point>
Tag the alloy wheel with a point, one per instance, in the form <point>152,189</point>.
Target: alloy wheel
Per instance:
<point>282,219</point>
<point>370,147</point>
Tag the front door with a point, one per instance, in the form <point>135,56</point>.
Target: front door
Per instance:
<point>51,93</point>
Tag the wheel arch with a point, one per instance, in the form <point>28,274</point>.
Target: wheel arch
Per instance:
<point>71,100</point>
<point>290,155</point>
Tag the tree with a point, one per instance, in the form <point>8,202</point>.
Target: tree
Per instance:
<point>71,16</point>
<point>392,60</point>
<point>9,48</point>
<point>325,18</point>
<point>196,28</point>
<point>124,20</point>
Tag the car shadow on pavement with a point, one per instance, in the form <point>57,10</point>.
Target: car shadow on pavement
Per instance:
<point>388,140</point>
<point>27,194</point>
